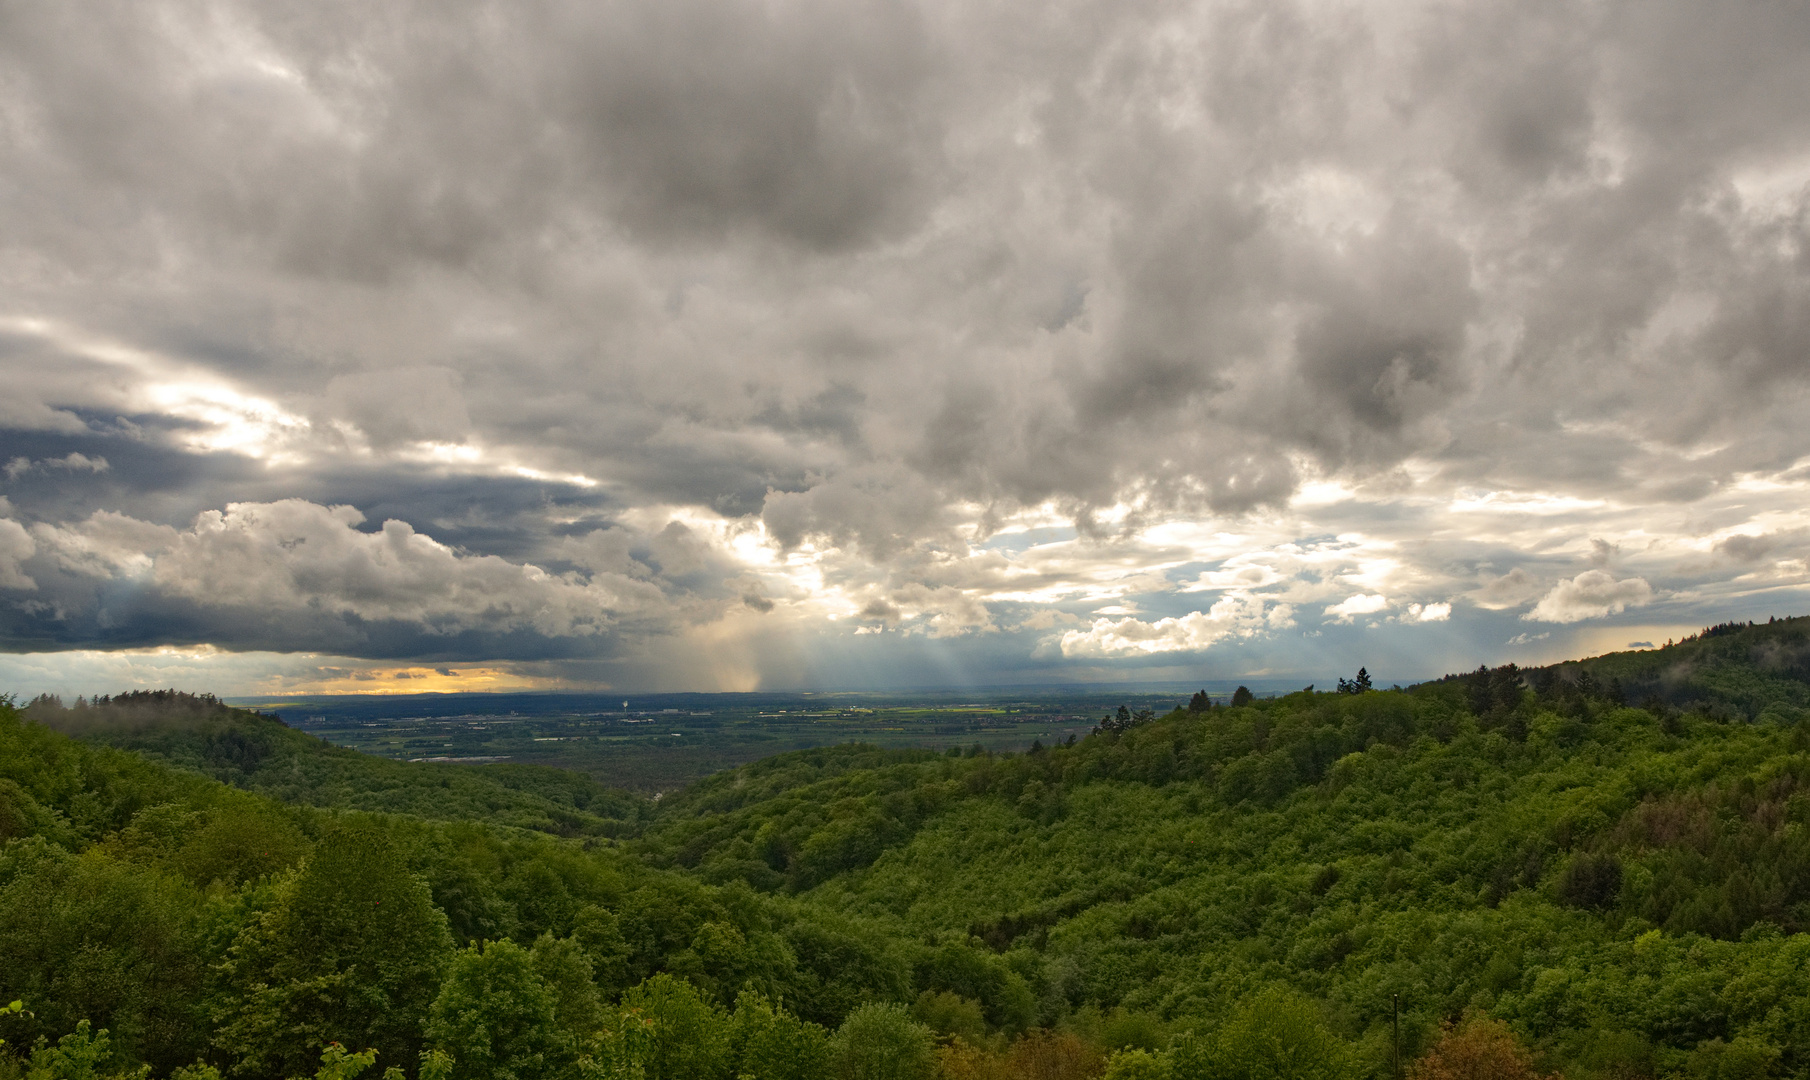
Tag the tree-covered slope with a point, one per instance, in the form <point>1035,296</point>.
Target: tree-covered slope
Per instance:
<point>1729,670</point>
<point>1628,886</point>
<point>193,920</point>
<point>1518,858</point>
<point>260,753</point>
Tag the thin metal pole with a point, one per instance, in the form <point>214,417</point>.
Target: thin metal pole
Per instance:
<point>1395,999</point>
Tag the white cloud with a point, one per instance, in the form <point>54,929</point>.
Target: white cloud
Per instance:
<point>1592,594</point>
<point>1427,613</point>
<point>278,556</point>
<point>1048,619</point>
<point>1510,502</point>
<point>1244,572</point>
<point>1360,604</point>
<point>294,556</point>
<point>78,463</point>
<point>1232,616</point>
<point>948,611</point>
<point>15,547</point>
<point>106,545</point>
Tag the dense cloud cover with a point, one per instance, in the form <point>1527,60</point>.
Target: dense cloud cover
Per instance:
<point>710,343</point>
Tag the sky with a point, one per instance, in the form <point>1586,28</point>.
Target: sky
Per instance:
<point>765,344</point>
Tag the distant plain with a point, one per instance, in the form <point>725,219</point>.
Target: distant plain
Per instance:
<point>653,743</point>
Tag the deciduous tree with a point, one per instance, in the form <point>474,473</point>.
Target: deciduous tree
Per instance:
<point>351,952</point>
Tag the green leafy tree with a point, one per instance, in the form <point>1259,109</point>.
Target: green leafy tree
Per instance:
<point>22,816</point>
<point>716,960</point>
<point>565,971</point>
<point>768,1043</point>
<point>92,937</point>
<point>881,1041</point>
<point>494,1015</point>
<point>688,1038</point>
<point>841,966</point>
<point>351,952</point>
<point>239,842</point>
<point>979,974</point>
<point>951,1015</point>
<point>621,1050</point>
<point>338,1063</point>
<point>12,1008</point>
<point>1138,1064</point>
<point>436,1065</point>
<point>1275,1035</point>
<point>1746,1057</point>
<point>599,933</point>
<point>1123,1028</point>
<point>78,1056</point>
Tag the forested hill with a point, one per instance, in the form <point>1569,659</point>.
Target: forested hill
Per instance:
<point>1728,671</point>
<point>1600,868</point>
<point>260,753</point>
<point>1626,885</point>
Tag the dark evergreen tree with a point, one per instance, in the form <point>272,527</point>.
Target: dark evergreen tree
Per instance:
<point>1479,687</point>
<point>1592,881</point>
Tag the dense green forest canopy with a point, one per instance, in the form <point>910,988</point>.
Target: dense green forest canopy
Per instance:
<point>1599,868</point>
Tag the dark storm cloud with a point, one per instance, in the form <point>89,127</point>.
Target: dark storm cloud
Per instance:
<point>869,281</point>
<point>440,133</point>
<point>805,121</point>
<point>1751,548</point>
<point>152,481</point>
<point>143,478</point>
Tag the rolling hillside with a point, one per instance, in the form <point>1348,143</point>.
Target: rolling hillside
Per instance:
<point>255,752</point>
<point>1608,857</point>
